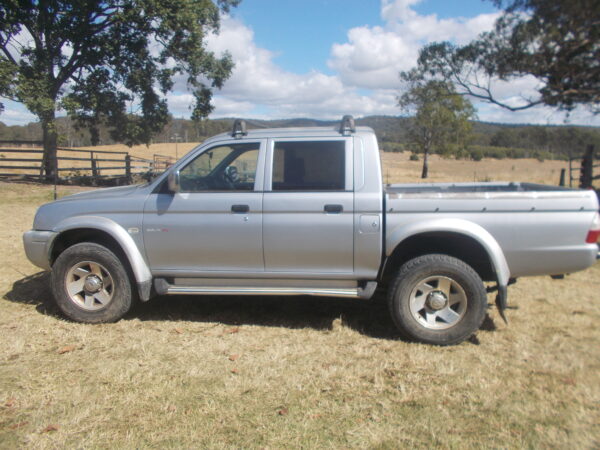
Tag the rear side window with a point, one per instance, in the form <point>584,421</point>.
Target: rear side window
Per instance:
<point>309,166</point>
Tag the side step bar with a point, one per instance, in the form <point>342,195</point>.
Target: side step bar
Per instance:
<point>162,287</point>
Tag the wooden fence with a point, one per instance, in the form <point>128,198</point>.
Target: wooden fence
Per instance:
<point>575,173</point>
<point>77,163</point>
<point>584,170</point>
<point>162,162</point>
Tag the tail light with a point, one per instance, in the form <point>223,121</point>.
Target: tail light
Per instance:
<point>594,232</point>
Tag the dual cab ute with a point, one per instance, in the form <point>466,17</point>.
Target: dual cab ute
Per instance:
<point>302,211</point>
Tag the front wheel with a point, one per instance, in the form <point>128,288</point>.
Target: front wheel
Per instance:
<point>90,284</point>
<point>437,299</point>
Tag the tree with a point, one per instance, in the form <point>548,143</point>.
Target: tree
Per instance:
<point>555,41</point>
<point>441,118</point>
<point>108,62</point>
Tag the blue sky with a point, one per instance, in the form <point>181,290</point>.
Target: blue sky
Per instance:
<point>326,58</point>
<point>320,23</point>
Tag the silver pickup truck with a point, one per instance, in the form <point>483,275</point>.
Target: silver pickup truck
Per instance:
<point>302,211</point>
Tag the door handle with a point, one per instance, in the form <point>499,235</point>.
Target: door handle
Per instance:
<point>240,209</point>
<point>333,209</point>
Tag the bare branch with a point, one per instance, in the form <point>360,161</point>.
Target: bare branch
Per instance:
<point>8,54</point>
<point>8,97</point>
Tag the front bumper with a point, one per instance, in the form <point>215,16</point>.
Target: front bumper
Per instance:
<point>37,247</point>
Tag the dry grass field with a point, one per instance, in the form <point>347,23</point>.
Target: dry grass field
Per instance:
<point>228,372</point>
<point>397,166</point>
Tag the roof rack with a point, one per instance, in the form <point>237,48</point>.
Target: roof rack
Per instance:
<point>239,128</point>
<point>347,126</point>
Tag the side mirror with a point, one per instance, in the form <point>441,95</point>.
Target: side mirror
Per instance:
<point>173,182</point>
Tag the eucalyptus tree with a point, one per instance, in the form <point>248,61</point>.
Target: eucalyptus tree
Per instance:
<point>441,121</point>
<point>109,62</point>
<point>556,42</point>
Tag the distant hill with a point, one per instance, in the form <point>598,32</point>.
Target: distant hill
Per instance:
<point>490,139</point>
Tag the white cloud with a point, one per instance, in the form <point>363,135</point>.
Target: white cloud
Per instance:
<point>231,108</point>
<point>256,78</point>
<point>365,68</point>
<point>181,105</point>
<point>373,56</point>
<point>16,114</point>
<point>364,78</point>
<point>258,84</point>
<point>540,115</point>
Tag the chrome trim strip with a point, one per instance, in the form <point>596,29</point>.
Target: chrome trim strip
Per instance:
<point>213,290</point>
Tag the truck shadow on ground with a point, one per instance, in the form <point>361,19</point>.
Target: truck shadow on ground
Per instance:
<point>34,290</point>
<point>370,318</point>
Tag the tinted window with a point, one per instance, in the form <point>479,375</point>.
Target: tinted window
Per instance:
<point>309,166</point>
<point>225,168</point>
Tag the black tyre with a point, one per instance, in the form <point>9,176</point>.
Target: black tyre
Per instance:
<point>437,299</point>
<point>90,284</point>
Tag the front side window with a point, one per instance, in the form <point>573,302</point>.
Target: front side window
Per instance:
<point>223,168</point>
<point>309,166</point>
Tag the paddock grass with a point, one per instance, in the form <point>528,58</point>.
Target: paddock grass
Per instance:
<point>265,372</point>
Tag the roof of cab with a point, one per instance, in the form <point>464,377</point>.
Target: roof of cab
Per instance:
<point>240,131</point>
<point>290,133</point>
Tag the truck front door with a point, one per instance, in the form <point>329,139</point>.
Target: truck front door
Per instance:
<point>214,224</point>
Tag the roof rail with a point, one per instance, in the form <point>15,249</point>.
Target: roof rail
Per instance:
<point>239,128</point>
<point>347,126</point>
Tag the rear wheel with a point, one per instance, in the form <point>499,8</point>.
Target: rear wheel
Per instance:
<point>90,284</point>
<point>437,299</point>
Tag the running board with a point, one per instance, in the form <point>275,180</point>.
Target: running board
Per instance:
<point>162,287</point>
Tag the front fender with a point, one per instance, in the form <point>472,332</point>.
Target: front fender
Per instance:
<point>139,267</point>
<point>458,226</point>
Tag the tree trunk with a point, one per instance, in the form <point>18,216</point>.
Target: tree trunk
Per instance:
<point>50,135</point>
<point>425,171</point>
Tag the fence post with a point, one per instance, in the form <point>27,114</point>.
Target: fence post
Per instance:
<point>128,167</point>
<point>94,164</point>
<point>570,171</point>
<point>562,177</point>
<point>586,171</point>
<point>55,174</point>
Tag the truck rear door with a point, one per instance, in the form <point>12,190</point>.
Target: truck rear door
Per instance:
<point>308,206</point>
